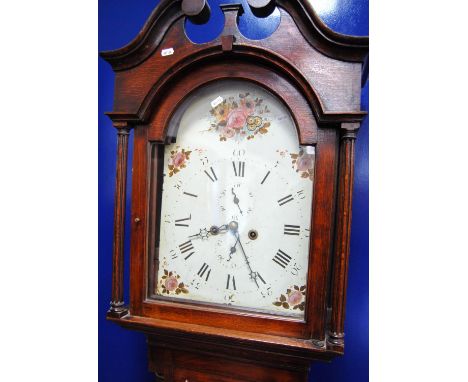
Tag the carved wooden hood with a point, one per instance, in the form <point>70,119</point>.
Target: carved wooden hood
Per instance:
<point>301,57</point>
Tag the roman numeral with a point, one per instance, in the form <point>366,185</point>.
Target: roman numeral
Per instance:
<point>179,221</point>
<point>174,255</point>
<point>281,258</point>
<point>285,200</point>
<point>186,247</point>
<point>205,267</point>
<point>190,254</point>
<point>290,229</point>
<point>231,280</point>
<point>239,169</point>
<point>189,194</point>
<point>266,176</point>
<point>214,178</point>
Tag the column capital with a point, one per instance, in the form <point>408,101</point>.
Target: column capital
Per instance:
<point>123,127</point>
<point>349,130</point>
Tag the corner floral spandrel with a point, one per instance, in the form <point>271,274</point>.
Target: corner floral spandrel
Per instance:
<point>303,163</point>
<point>178,160</point>
<point>293,299</point>
<point>170,283</point>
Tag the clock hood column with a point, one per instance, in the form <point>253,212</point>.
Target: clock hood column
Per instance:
<point>117,306</point>
<point>343,233</point>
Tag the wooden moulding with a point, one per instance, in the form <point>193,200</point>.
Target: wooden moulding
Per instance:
<point>276,350</point>
<point>342,234</point>
<point>167,12</point>
<point>142,70</point>
<point>117,305</point>
<point>169,96</point>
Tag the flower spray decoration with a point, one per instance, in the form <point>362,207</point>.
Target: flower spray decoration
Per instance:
<point>293,299</point>
<point>303,163</point>
<point>178,160</point>
<point>240,117</point>
<point>170,283</point>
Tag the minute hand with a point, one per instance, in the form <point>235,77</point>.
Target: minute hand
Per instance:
<point>253,275</point>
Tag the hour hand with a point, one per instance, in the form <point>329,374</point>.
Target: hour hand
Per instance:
<point>203,234</point>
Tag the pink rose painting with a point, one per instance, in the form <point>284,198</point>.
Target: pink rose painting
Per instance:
<point>236,119</point>
<point>304,164</point>
<point>293,299</point>
<point>240,117</point>
<point>170,284</point>
<point>178,160</point>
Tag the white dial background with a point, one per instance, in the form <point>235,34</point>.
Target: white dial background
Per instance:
<point>245,148</point>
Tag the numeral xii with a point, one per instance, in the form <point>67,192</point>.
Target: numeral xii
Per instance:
<point>239,168</point>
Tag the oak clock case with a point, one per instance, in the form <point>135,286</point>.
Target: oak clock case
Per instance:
<point>241,191</point>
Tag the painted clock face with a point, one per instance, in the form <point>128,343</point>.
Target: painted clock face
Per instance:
<point>236,203</point>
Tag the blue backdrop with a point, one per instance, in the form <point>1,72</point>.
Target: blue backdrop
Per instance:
<point>122,353</point>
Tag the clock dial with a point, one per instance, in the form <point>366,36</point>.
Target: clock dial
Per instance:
<point>236,203</point>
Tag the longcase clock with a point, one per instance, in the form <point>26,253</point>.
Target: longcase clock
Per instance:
<point>241,191</point>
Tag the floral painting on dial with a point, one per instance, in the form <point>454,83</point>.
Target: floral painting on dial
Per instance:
<point>240,117</point>
<point>178,160</point>
<point>170,283</point>
<point>304,164</point>
<point>293,299</point>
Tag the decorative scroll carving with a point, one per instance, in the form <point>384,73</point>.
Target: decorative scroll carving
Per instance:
<point>167,12</point>
<point>117,306</point>
<point>343,233</point>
